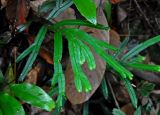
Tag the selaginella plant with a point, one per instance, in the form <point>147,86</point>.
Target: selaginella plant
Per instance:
<point>79,46</point>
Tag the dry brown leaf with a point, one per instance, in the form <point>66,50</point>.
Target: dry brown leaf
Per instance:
<point>94,76</point>
<point>115,1</point>
<point>46,55</point>
<point>128,109</point>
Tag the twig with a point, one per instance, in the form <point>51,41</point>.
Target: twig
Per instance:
<point>114,97</point>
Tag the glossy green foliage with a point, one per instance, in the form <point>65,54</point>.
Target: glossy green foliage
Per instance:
<point>117,112</point>
<point>33,50</point>
<point>33,95</point>
<point>87,8</point>
<point>10,106</point>
<point>136,50</point>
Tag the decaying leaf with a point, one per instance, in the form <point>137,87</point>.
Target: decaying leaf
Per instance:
<point>95,76</point>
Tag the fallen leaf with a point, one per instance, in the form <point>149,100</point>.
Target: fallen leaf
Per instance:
<point>128,109</point>
<point>95,76</point>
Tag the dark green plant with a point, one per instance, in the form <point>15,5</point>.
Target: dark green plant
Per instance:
<point>31,94</point>
<point>80,44</point>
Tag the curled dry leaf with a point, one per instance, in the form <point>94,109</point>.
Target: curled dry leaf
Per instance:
<point>128,109</point>
<point>94,76</point>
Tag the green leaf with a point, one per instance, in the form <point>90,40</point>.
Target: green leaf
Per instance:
<point>33,95</point>
<point>63,23</point>
<point>86,108</point>
<point>25,53</point>
<point>118,112</point>
<point>138,59</point>
<point>86,53</point>
<point>146,67</point>
<point>87,8</point>
<point>138,111</point>
<point>81,35</point>
<point>80,78</point>
<point>77,33</point>
<point>10,106</point>
<point>131,92</point>
<point>38,41</point>
<point>136,50</point>
<point>145,88</point>
<point>47,6</point>
<point>104,88</point>
<point>57,10</point>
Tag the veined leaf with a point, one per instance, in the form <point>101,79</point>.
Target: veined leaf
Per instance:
<point>118,112</point>
<point>33,95</point>
<point>38,41</point>
<point>131,92</point>
<point>77,22</point>
<point>146,67</point>
<point>138,111</point>
<point>10,106</point>
<point>25,53</point>
<point>140,48</point>
<point>87,8</point>
<point>104,88</point>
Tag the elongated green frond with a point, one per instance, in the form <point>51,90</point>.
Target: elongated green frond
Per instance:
<point>86,108</point>
<point>136,50</point>
<point>81,35</point>
<point>38,41</point>
<point>25,53</point>
<point>118,112</point>
<point>131,92</point>
<point>78,23</point>
<point>146,67</point>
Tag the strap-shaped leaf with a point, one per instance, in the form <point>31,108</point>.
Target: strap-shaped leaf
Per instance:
<point>146,67</point>
<point>56,11</point>
<point>81,35</point>
<point>10,106</point>
<point>33,95</point>
<point>104,88</point>
<point>136,50</point>
<point>38,41</point>
<point>87,8</point>
<point>78,23</point>
<point>25,53</point>
<point>1,112</point>
<point>131,92</point>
